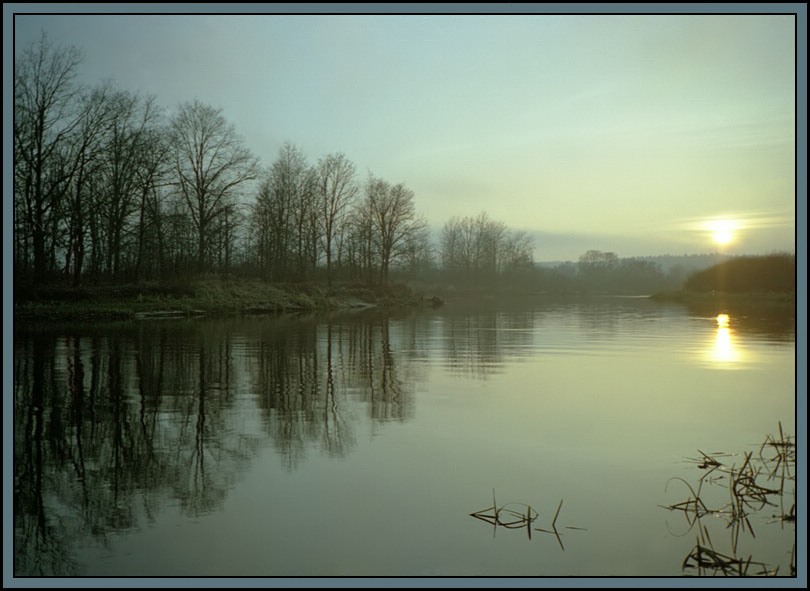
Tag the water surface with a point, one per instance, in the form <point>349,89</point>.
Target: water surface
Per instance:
<point>359,444</point>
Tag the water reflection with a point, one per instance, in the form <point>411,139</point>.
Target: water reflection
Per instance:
<point>113,425</point>
<point>107,427</point>
<point>725,350</point>
<point>309,381</point>
<point>775,322</point>
<point>477,343</point>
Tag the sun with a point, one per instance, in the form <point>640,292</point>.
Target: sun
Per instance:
<point>722,231</point>
<point>722,237</point>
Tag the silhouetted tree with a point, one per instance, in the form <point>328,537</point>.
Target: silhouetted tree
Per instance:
<point>45,118</point>
<point>211,163</point>
<point>336,191</point>
<point>283,213</point>
<point>477,250</point>
<point>152,179</point>
<point>361,253</point>
<point>128,172</point>
<point>393,221</point>
<point>418,256</point>
<point>516,258</point>
<point>86,152</point>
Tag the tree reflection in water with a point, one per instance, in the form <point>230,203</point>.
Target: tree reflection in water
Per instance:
<point>113,424</point>
<point>478,342</point>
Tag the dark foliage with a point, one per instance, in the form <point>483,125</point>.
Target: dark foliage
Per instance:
<point>749,274</point>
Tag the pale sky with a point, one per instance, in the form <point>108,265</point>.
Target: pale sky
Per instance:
<point>623,133</point>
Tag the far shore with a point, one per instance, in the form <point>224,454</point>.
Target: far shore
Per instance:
<point>223,297</point>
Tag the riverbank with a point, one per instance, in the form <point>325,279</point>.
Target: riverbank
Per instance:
<point>236,296</point>
<point>202,297</point>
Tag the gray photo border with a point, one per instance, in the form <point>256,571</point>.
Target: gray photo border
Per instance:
<point>799,9</point>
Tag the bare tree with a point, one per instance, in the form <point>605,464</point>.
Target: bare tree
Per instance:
<point>152,173</point>
<point>128,171</point>
<point>261,227</point>
<point>85,150</point>
<point>336,190</point>
<point>479,249</point>
<point>360,249</point>
<point>394,221</point>
<point>488,245</point>
<point>306,231</point>
<point>450,245</point>
<point>211,162</point>
<point>419,253</point>
<point>283,215</point>
<point>44,119</point>
<point>517,253</point>
<point>459,246</point>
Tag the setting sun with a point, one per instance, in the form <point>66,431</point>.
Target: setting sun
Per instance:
<point>722,231</point>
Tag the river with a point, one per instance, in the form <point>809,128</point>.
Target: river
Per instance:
<point>382,444</point>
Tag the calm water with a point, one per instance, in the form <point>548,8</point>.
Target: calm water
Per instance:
<point>359,444</point>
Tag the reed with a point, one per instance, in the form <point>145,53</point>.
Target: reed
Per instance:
<point>518,516</point>
<point>507,516</point>
<point>747,496</point>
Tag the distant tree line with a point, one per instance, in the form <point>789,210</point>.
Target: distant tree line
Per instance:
<point>599,272</point>
<point>477,250</point>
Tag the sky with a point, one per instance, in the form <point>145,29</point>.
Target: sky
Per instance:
<point>630,133</point>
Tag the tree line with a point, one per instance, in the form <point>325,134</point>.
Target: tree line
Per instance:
<point>109,186</point>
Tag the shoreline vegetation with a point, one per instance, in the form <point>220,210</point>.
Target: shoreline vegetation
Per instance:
<point>743,285</point>
<point>229,297</point>
<point>750,286</point>
<point>209,297</point>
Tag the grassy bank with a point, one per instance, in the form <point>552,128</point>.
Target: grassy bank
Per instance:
<point>202,297</point>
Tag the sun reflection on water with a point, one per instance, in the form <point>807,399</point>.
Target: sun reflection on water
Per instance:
<point>725,349</point>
